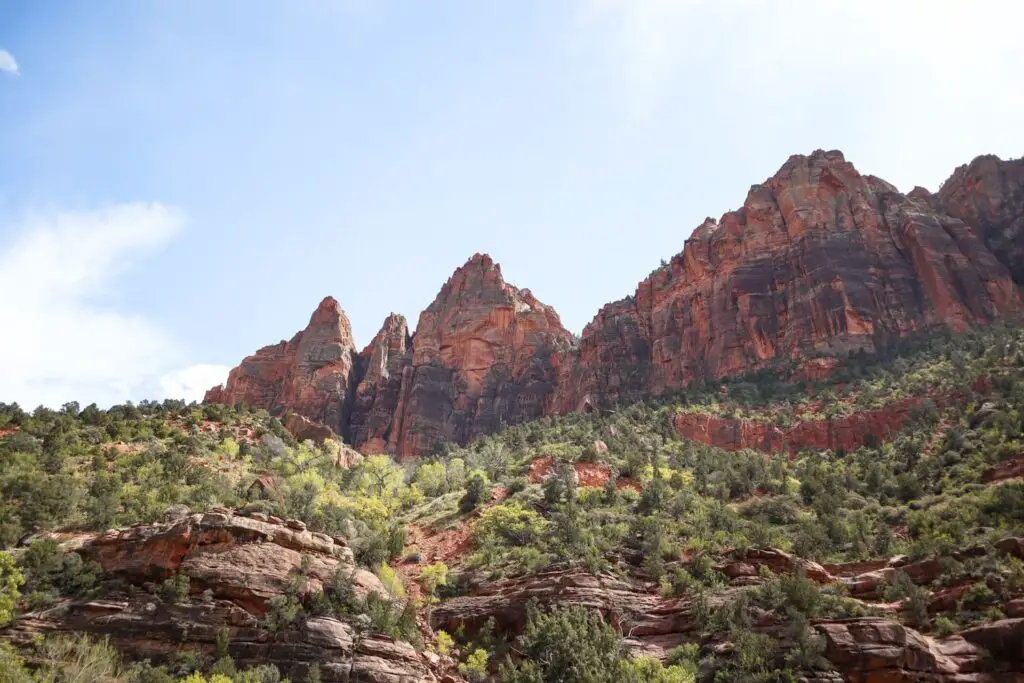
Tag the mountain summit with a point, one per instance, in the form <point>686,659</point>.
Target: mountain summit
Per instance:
<point>819,260</point>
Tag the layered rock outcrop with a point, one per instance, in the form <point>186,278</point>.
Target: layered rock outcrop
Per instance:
<point>147,628</point>
<point>312,375</point>
<point>819,259</point>
<point>847,432</point>
<point>242,559</point>
<point>234,566</point>
<point>857,649</point>
<point>869,648</point>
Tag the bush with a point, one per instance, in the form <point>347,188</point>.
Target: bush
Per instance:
<point>567,645</point>
<point>49,571</point>
<point>944,626</point>
<point>475,666</point>
<point>176,588</point>
<point>433,577</point>
<point>478,490</point>
<point>11,579</point>
<point>77,658</point>
<point>12,666</point>
<point>393,584</point>
<point>445,642</point>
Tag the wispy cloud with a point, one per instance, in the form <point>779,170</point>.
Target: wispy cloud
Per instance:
<point>7,62</point>
<point>61,342</point>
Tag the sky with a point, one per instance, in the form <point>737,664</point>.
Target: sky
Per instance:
<point>182,181</point>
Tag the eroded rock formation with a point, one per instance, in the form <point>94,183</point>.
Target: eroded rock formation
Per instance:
<point>234,566</point>
<point>869,648</point>
<point>312,375</point>
<point>484,353</point>
<point>988,194</point>
<point>384,361</point>
<point>819,259</point>
<point>847,432</point>
<point>247,560</point>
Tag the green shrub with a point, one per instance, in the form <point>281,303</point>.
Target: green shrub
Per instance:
<point>475,666</point>
<point>478,491</point>
<point>176,588</point>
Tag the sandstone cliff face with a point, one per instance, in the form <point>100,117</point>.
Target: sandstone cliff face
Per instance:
<point>820,258</point>
<point>484,353</point>
<point>312,375</point>
<point>988,194</point>
<point>848,432</point>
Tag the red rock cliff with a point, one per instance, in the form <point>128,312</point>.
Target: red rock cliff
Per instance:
<point>988,194</point>
<point>847,432</point>
<point>484,353</point>
<point>820,258</point>
<point>312,375</point>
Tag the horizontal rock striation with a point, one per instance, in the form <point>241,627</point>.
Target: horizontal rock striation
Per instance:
<point>234,565</point>
<point>847,432</point>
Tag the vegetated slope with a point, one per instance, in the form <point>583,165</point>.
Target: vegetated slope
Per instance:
<point>895,559</point>
<point>819,261</point>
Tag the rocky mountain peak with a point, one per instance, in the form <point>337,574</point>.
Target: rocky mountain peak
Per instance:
<point>819,259</point>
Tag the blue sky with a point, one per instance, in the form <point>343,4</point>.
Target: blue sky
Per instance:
<point>184,180</point>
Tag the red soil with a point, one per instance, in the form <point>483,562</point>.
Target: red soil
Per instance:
<point>1011,468</point>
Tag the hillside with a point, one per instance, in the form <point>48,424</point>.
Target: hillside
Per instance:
<point>804,536</point>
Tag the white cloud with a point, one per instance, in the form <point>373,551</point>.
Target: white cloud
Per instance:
<point>60,342</point>
<point>192,382</point>
<point>7,62</point>
<point>918,81</point>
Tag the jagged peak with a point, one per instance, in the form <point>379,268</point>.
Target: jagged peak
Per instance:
<point>484,259</point>
<point>920,193</point>
<point>478,279</point>
<point>328,306</point>
<point>983,163</point>
<point>477,262</point>
<point>817,157</point>
<point>394,333</point>
<point>330,313</point>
